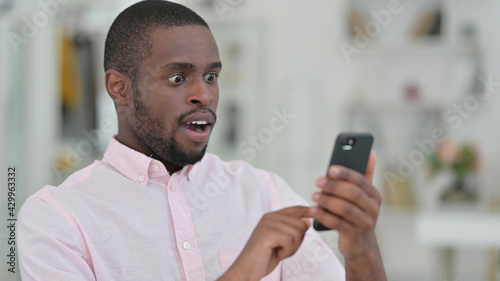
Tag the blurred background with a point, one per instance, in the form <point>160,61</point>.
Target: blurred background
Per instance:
<point>422,76</point>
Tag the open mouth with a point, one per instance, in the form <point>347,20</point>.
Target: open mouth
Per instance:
<point>197,126</point>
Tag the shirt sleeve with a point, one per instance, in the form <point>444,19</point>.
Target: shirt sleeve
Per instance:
<point>314,260</point>
<point>48,246</point>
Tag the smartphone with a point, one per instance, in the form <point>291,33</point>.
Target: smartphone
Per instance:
<point>351,150</point>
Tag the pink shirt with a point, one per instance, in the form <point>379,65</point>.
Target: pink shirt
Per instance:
<point>126,218</point>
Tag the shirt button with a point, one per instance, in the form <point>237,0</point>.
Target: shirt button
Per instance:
<point>141,178</point>
<point>172,188</point>
<point>186,245</point>
<point>156,168</point>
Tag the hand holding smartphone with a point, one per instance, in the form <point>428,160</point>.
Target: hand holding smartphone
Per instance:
<point>351,150</point>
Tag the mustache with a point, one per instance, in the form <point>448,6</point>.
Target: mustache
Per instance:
<point>201,110</point>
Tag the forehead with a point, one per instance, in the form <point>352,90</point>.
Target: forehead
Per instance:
<point>192,44</point>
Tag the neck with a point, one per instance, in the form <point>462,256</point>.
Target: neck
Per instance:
<point>136,145</point>
<point>171,168</point>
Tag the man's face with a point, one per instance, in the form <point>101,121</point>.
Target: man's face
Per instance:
<point>176,94</point>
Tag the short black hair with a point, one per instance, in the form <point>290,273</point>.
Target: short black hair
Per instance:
<point>127,43</point>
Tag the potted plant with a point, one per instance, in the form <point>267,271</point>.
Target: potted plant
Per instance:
<point>462,160</point>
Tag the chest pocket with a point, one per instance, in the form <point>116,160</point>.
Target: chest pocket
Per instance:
<point>227,258</point>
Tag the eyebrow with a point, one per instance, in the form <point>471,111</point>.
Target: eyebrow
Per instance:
<point>178,65</point>
<point>215,65</point>
<point>190,66</point>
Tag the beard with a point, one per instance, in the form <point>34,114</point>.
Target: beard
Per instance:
<point>149,131</point>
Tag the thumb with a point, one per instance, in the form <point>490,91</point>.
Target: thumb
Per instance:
<point>370,167</point>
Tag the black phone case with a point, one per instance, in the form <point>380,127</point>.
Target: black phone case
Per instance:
<point>356,158</point>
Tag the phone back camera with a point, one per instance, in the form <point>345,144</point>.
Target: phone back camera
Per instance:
<point>348,144</point>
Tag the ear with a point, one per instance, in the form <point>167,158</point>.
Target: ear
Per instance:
<point>119,87</point>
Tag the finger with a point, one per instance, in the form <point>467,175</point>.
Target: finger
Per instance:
<point>370,172</point>
<point>280,223</point>
<point>370,167</point>
<point>350,192</point>
<point>349,212</point>
<point>297,212</point>
<point>337,172</point>
<point>332,221</point>
<point>307,221</point>
<point>299,224</point>
<point>287,234</point>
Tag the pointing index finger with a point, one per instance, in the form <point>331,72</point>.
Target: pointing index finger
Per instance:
<point>297,212</point>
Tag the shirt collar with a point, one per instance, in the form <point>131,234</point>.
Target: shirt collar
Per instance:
<point>192,169</point>
<point>137,166</point>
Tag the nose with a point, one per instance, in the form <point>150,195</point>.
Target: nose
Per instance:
<point>199,94</point>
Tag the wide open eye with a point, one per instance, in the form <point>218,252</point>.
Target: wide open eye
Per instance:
<point>176,78</point>
<point>211,77</point>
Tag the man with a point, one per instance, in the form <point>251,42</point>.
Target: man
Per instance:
<point>136,214</point>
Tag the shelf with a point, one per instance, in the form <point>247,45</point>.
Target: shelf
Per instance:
<point>419,48</point>
<point>385,108</point>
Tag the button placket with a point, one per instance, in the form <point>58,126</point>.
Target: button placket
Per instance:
<point>184,234</point>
